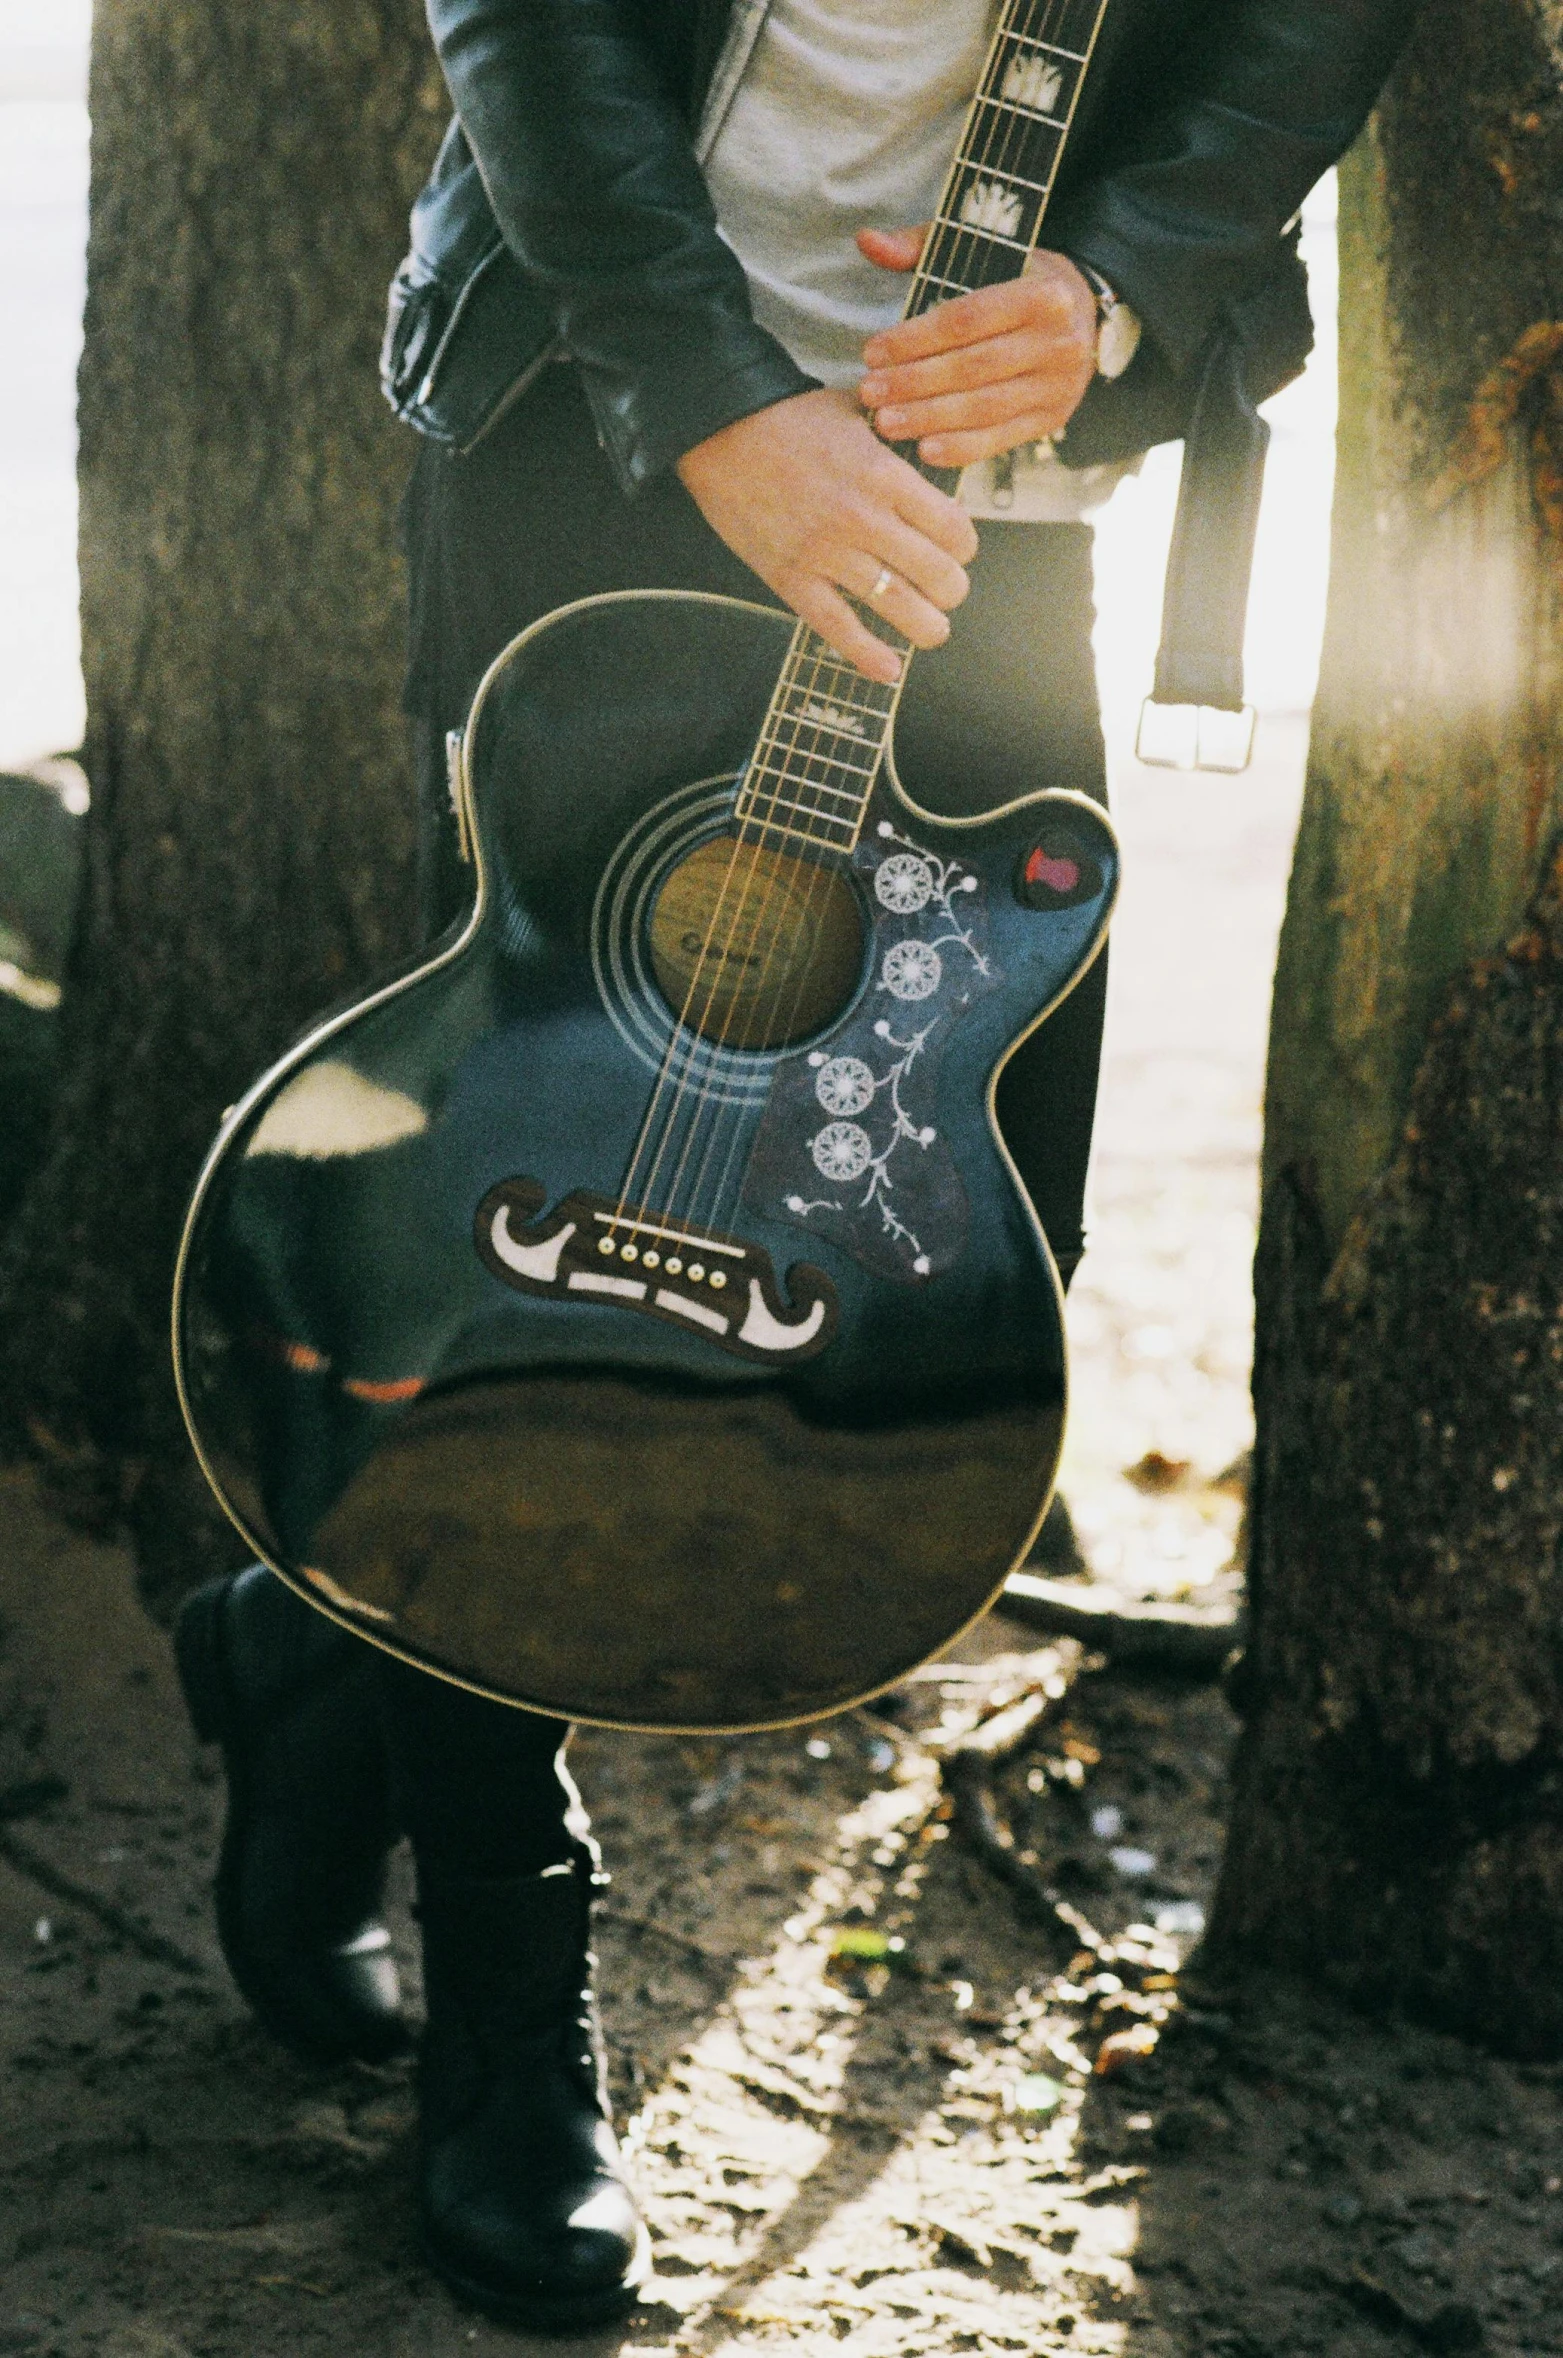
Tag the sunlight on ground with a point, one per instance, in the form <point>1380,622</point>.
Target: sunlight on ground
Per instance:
<point>786,2206</point>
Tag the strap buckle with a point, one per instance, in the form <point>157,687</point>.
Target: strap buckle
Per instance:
<point>1195,737</point>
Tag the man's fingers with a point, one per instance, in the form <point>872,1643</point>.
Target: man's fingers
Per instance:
<point>1015,354</point>
<point>932,513</point>
<point>931,568</point>
<point>970,319</point>
<point>972,413</point>
<point>1004,365</point>
<point>964,450</point>
<point>893,249</point>
<point>814,503</point>
<point>827,611</point>
<point>898,602</point>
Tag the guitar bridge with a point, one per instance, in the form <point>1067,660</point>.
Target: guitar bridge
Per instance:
<point>590,1250</point>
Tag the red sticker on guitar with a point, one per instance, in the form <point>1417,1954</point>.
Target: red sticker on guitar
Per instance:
<point>1057,875</point>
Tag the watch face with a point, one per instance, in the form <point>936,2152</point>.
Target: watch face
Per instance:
<point>1117,341</point>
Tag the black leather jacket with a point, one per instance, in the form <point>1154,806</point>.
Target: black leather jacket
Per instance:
<point>566,212</point>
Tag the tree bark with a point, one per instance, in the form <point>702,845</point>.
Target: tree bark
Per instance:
<point>250,841</point>
<point>1398,1808</point>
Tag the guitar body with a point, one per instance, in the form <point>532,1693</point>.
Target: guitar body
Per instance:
<point>742,1443</point>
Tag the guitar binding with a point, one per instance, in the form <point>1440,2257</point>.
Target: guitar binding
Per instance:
<point>590,1250</point>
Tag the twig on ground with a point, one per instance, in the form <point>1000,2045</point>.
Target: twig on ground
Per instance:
<point>31,1863</point>
<point>698,1949</point>
<point>968,1761</point>
<point>1176,1638</point>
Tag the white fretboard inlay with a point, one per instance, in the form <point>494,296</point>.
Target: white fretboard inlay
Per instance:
<point>988,204</point>
<point>1032,82</point>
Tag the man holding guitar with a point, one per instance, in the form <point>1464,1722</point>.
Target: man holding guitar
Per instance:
<point>650,331</point>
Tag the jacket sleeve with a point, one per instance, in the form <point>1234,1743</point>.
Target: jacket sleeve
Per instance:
<point>1185,212</point>
<point>589,169</point>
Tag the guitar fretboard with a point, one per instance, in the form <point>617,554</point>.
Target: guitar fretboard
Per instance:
<point>809,780</point>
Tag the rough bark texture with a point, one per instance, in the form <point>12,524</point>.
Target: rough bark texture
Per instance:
<point>251,834</point>
<point>1399,1802</point>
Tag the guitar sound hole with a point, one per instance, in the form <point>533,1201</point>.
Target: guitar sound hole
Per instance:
<point>755,948</point>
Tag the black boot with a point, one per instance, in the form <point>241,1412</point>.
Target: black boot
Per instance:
<point>294,1703</point>
<point>525,2209</point>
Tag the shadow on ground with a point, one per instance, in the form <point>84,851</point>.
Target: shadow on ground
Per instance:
<point>886,2157</point>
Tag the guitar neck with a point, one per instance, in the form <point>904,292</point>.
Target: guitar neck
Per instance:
<point>808,783</point>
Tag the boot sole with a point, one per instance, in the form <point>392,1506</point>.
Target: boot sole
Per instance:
<point>542,2314</point>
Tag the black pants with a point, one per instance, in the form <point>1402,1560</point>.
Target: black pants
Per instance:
<point>533,519</point>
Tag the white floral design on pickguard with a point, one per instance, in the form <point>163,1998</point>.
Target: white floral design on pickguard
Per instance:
<point>911,970</point>
<point>903,883</point>
<point>845,1151</point>
<point>845,1085</point>
<point>870,1168</point>
<point>911,879</point>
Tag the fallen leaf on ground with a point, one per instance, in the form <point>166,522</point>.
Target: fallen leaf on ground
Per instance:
<point>1154,1472</point>
<point>1125,2047</point>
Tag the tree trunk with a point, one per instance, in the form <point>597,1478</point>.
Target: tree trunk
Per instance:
<point>1398,1812</point>
<point>250,841</point>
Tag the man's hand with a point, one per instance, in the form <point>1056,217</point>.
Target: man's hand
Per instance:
<point>813,503</point>
<point>984,372</point>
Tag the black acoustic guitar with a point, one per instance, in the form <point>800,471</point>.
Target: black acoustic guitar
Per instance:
<point>633,1313</point>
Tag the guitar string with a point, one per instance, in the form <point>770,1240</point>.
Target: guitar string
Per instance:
<point>943,245</point>
<point>713,965</point>
<point>678,1041</point>
<point>962,164</point>
<point>752,786</point>
<point>784,1030</point>
<point>994,155</point>
<point>682,1027</point>
<point>935,263</point>
<point>816,687</point>
<point>795,688</point>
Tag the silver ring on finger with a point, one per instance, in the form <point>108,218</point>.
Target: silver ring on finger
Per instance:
<point>885,578</point>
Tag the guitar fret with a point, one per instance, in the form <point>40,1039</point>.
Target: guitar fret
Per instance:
<point>840,701</point>
<point>830,717</point>
<point>931,278</point>
<point>1018,245</point>
<point>773,800</point>
<point>851,730</point>
<point>769,782</point>
<point>845,686</point>
<point>760,807</point>
<point>788,765</point>
<point>790,836</point>
<point>772,744</point>
<point>825,722</point>
<point>984,173</point>
<point>767,787</point>
<point>774,779</point>
<point>1045,48</point>
<point>1029,114</point>
<point>781,802</point>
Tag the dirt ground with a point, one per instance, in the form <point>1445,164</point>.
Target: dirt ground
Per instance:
<point>908,2152</point>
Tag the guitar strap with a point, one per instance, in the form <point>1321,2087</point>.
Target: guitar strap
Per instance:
<point>1205,605</point>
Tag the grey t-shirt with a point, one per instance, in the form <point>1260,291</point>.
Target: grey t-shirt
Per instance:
<point>828,116</point>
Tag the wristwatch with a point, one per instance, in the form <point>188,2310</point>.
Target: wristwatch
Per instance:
<point>1117,328</point>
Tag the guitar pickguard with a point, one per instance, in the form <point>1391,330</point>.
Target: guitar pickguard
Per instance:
<point>847,1147</point>
<point>590,1250</point>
